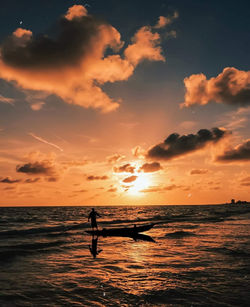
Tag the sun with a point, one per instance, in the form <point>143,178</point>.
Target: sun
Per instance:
<point>143,181</point>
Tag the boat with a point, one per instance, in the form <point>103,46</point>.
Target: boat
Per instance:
<point>122,232</point>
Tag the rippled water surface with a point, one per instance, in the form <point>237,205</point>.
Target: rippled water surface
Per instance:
<point>200,257</point>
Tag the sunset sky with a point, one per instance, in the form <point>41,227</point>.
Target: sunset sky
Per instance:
<point>124,102</point>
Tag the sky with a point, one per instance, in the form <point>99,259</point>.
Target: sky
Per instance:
<point>124,102</point>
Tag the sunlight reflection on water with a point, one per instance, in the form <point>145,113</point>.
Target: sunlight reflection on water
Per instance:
<point>196,250</point>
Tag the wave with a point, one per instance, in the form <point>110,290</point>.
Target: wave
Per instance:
<point>26,249</point>
<point>179,234</point>
<point>43,230</point>
<point>33,246</point>
<point>230,252</point>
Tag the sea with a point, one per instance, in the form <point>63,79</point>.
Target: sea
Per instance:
<point>193,256</point>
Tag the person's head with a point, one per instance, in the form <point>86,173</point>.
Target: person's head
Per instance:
<point>93,209</point>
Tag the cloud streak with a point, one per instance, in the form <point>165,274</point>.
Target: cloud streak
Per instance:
<point>156,189</point>
<point>9,180</point>
<point>198,171</point>
<point>91,177</point>
<point>44,141</point>
<point>6,100</point>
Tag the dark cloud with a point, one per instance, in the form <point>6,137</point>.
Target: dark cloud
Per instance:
<point>126,168</point>
<point>245,184</point>
<point>42,51</point>
<point>150,167</point>
<point>130,179</point>
<point>91,177</point>
<point>239,153</point>
<point>198,171</point>
<point>52,179</point>
<point>176,145</point>
<point>40,167</point>
<point>9,180</point>
<point>32,180</point>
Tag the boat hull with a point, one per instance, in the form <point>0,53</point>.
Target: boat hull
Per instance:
<point>128,232</point>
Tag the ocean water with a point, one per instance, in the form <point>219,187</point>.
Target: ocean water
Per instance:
<point>200,257</point>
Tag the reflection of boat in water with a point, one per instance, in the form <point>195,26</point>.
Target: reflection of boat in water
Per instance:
<point>135,236</point>
<point>121,232</point>
<point>130,232</point>
<point>142,237</point>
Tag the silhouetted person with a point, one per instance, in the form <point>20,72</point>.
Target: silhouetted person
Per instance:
<point>92,216</point>
<point>93,248</point>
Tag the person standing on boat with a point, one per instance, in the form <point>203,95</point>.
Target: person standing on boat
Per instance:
<point>92,216</point>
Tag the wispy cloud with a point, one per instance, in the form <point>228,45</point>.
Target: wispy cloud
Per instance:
<point>234,120</point>
<point>6,100</point>
<point>44,141</point>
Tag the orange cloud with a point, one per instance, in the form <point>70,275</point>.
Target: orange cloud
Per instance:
<point>130,179</point>
<point>232,86</point>
<point>73,66</point>
<point>198,171</point>
<point>115,158</point>
<point>145,46</point>
<point>91,177</point>
<point>150,167</point>
<point>138,152</point>
<point>126,168</point>
<point>76,11</point>
<point>37,105</point>
<point>164,21</point>
<point>239,153</point>
<point>112,190</point>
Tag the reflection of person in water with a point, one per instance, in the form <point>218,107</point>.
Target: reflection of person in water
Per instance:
<point>93,248</point>
<point>92,216</point>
